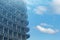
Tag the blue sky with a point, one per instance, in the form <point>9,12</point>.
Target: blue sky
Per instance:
<point>44,19</point>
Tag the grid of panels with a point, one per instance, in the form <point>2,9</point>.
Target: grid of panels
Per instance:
<point>13,20</point>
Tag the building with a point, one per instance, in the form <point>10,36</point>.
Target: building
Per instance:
<point>13,20</point>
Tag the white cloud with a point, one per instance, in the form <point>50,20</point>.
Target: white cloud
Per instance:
<point>56,9</point>
<point>45,24</point>
<point>28,2</point>
<point>40,9</point>
<point>28,8</point>
<point>47,30</point>
<point>56,6</point>
<point>56,2</point>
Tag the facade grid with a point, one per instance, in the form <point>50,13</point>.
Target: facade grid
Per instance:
<point>13,20</point>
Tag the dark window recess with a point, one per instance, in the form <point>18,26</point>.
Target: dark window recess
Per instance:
<point>5,21</point>
<point>13,18</point>
<point>23,30</point>
<point>1,29</point>
<point>1,18</point>
<point>1,9</point>
<point>18,19</point>
<point>22,14</point>
<point>18,28</point>
<point>5,38</point>
<point>5,30</point>
<point>4,12</point>
<point>1,37</point>
<point>10,32</point>
<point>23,37</point>
<point>19,35</point>
<point>15,39</point>
<point>22,21</point>
<point>10,24</point>
<point>14,26</point>
<point>17,13</point>
<point>15,34</point>
<point>9,15</point>
<point>26,23</point>
<point>10,39</point>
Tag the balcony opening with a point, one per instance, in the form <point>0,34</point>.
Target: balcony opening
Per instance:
<point>18,28</point>
<point>5,38</point>
<point>6,31</point>
<point>10,24</point>
<point>15,34</point>
<point>19,35</point>
<point>23,37</point>
<point>10,39</point>
<point>5,21</point>
<point>1,29</point>
<point>1,37</point>
<point>14,26</point>
<point>10,33</point>
<point>1,18</point>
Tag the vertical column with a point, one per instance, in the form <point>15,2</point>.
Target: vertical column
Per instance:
<point>21,37</point>
<point>13,35</point>
<point>25,34</point>
<point>3,30</point>
<point>8,34</point>
<point>25,37</point>
<point>8,30</point>
<point>17,32</point>
<point>21,32</point>
<point>3,33</point>
<point>12,30</point>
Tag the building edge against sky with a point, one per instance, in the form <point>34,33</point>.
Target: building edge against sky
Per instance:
<point>13,20</point>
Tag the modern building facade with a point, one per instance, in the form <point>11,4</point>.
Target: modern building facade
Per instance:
<point>13,20</point>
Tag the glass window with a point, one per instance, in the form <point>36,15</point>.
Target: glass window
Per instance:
<point>1,18</point>
<point>1,37</point>
<point>10,24</point>
<point>9,15</point>
<point>18,19</point>
<point>10,39</point>
<point>10,32</point>
<point>1,9</point>
<point>22,21</point>
<point>23,37</point>
<point>14,26</point>
<point>1,28</point>
<point>5,38</point>
<point>5,21</point>
<point>4,12</point>
<point>15,39</point>
<point>19,35</point>
<point>17,12</point>
<point>15,34</point>
<point>13,17</point>
<point>23,30</point>
<point>6,30</point>
<point>18,28</point>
